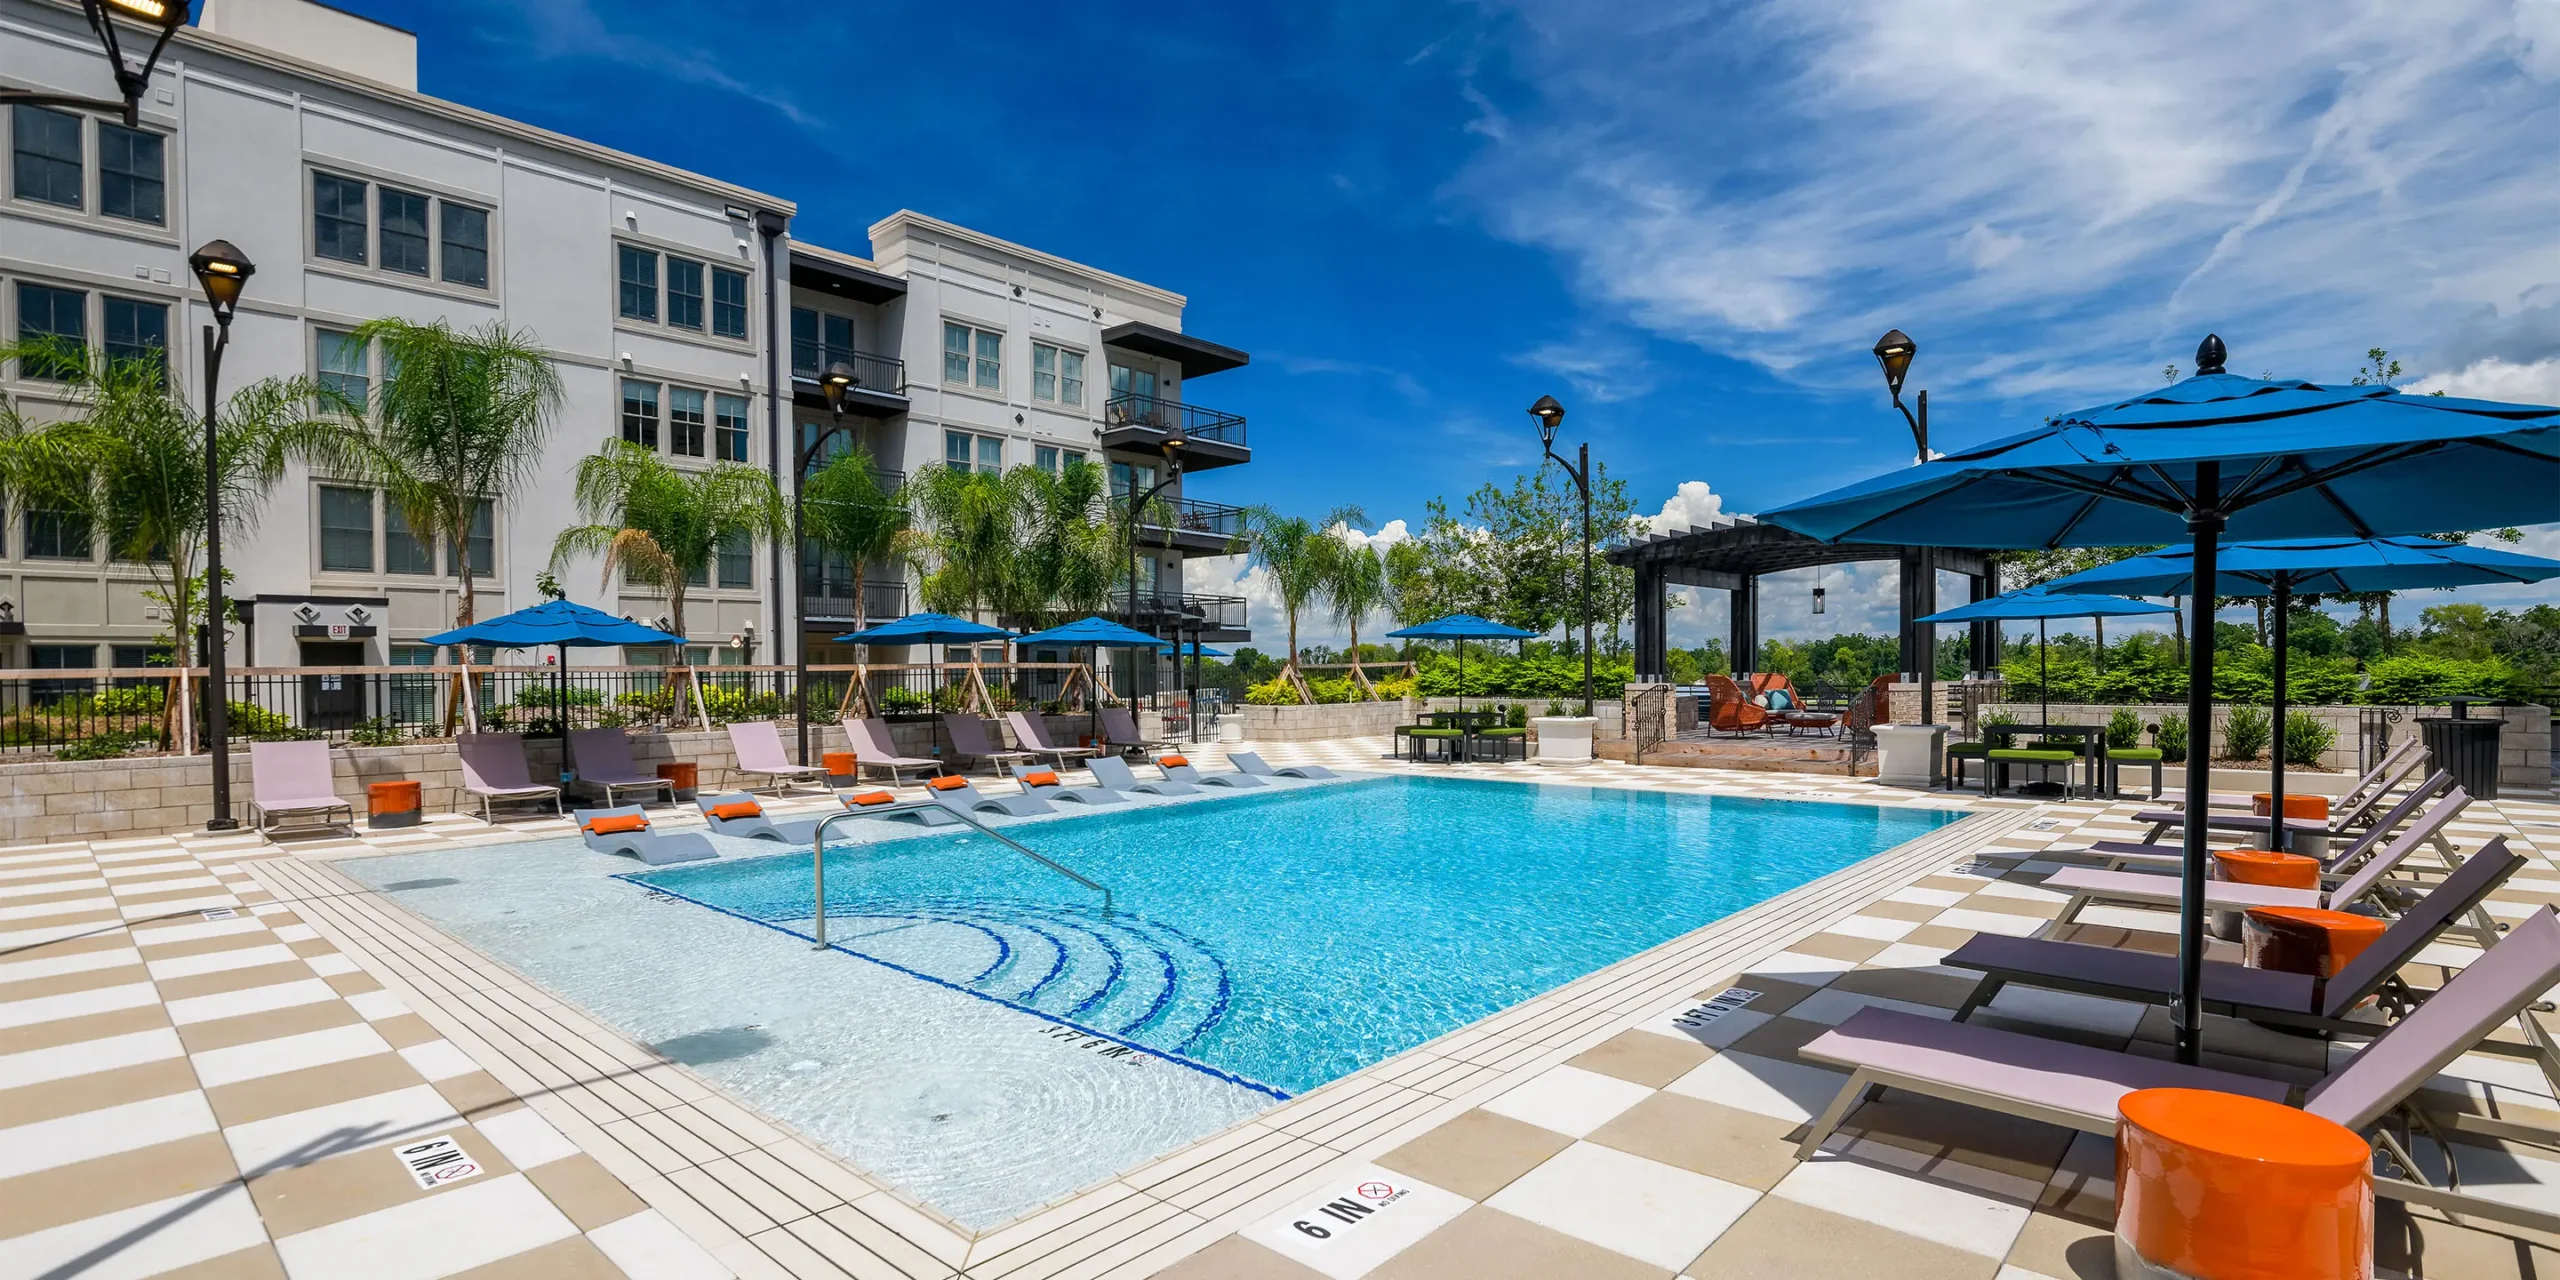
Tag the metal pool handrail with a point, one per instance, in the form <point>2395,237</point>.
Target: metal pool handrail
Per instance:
<point>818,852</point>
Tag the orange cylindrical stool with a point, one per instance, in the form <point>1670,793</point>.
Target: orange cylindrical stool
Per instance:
<point>685,774</point>
<point>2264,867</point>
<point>2315,808</point>
<point>840,764</point>
<point>393,804</point>
<point>2215,1186</point>
<point>2306,939</point>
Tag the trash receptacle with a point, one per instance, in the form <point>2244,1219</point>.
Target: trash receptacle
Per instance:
<point>2465,746</point>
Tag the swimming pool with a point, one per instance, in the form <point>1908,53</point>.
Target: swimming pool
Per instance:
<point>987,1037</point>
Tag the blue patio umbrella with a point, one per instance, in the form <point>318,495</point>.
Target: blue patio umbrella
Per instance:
<point>1191,649</point>
<point>2214,454</point>
<point>2042,605</point>
<point>1462,627</point>
<point>932,630</point>
<point>2284,568</point>
<point>1099,633</point>
<point>564,625</point>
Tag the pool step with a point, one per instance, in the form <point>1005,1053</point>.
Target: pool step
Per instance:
<point>1121,974</point>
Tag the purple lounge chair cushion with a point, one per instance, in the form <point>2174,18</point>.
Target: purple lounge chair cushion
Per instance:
<point>2054,1075</point>
<point>292,777</point>
<point>2082,967</point>
<point>2496,987</point>
<point>2145,886</point>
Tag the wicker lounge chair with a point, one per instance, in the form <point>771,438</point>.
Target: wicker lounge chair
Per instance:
<point>602,758</point>
<point>628,832</point>
<point>1113,772</point>
<point>1179,769</point>
<point>1031,733</point>
<point>1251,762</point>
<point>1729,710</point>
<point>1042,781</point>
<point>872,749</point>
<point>969,741</point>
<point>493,769</point>
<point>291,780</point>
<point>759,749</point>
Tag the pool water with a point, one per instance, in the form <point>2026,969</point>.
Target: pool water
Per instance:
<point>1286,938</point>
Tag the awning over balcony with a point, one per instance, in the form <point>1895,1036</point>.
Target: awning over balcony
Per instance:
<point>1198,357</point>
<point>827,273</point>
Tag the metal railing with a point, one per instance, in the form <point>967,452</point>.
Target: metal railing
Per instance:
<point>810,361</point>
<point>1183,609</point>
<point>1129,409</point>
<point>833,597</point>
<point>818,853</point>
<point>1212,519</point>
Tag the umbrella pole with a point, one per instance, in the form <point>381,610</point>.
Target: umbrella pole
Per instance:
<point>2186,1008</point>
<point>2044,679</point>
<point>2275,786</point>
<point>560,709</point>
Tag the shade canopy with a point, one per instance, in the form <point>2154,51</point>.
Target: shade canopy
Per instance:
<point>1461,626</point>
<point>2022,606</point>
<point>1193,649</point>
<point>2296,459</point>
<point>555,622</point>
<point>927,628</point>
<point>1102,632</point>
<point>2316,566</point>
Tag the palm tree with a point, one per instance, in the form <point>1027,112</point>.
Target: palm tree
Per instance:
<point>129,456</point>
<point>1292,551</point>
<point>971,524</point>
<point>661,525</point>
<point>846,512</point>
<point>1355,579</point>
<point>459,418</point>
<point>1074,549</point>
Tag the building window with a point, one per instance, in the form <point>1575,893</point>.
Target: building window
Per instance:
<point>404,232</point>
<point>1057,374</point>
<point>60,316</point>
<point>639,275</point>
<point>402,550</point>
<point>45,157</point>
<point>60,657</point>
<point>737,563</point>
<point>346,367</point>
<point>138,330</point>
<point>728,303</point>
<point>346,530</point>
<point>480,545</point>
<point>640,413</point>
<point>684,422</point>
<point>972,356</point>
<point>729,428</point>
<point>131,184</point>
<point>1053,459</point>
<point>464,232</point>
<point>338,226</point>
<point>57,535</point>
<point>684,293</point>
<point>959,446</point>
<point>1123,474</point>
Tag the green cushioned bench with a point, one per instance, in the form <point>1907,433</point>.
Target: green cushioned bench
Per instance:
<point>1958,753</point>
<point>2118,757</point>
<point>2043,757</point>
<point>1502,744</point>
<point>1420,737</point>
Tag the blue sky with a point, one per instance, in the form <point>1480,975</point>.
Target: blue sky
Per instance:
<point>1689,221</point>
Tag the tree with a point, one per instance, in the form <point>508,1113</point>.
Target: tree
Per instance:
<point>1289,549</point>
<point>128,458</point>
<point>1532,551</point>
<point>1355,578</point>
<point>661,525</point>
<point>846,512</point>
<point>1074,547</point>
<point>458,419</point>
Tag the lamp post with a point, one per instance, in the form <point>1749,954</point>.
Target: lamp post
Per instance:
<point>1174,444</point>
<point>1550,415</point>
<point>163,16</point>
<point>223,272</point>
<point>839,379</point>
<point>1893,354</point>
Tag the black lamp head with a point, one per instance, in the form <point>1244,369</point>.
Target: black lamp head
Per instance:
<point>2211,355</point>
<point>1893,352</point>
<point>167,15</point>
<point>838,379</point>
<point>223,271</point>
<point>1550,415</point>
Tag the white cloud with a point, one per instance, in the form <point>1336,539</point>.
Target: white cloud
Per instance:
<point>1388,534</point>
<point>1691,506</point>
<point>2537,382</point>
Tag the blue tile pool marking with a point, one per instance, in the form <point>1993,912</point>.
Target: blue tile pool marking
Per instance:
<point>1299,934</point>
<point>1214,1072</point>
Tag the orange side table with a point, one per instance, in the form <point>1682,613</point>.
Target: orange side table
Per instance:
<point>685,774</point>
<point>2306,939</point>
<point>2315,808</point>
<point>393,804</point>
<point>2266,867</point>
<point>2215,1186</point>
<point>839,764</point>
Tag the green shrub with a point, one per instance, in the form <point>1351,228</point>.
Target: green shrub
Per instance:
<point>2246,733</point>
<point>249,720</point>
<point>2421,677</point>
<point>1274,692</point>
<point>1518,717</point>
<point>98,746</point>
<point>543,697</point>
<point>1395,689</point>
<point>376,732</point>
<point>2171,738</point>
<point>899,700</point>
<point>2124,728</point>
<point>2306,736</point>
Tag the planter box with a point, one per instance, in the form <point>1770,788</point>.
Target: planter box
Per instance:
<point>1325,720</point>
<point>1563,740</point>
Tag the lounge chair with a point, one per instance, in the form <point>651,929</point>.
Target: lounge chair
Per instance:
<point>2077,1086</point>
<point>627,831</point>
<point>493,769</point>
<point>969,741</point>
<point>2344,817</point>
<point>954,792</point>
<point>873,750</point>
<point>1031,733</point>
<point>2259,995</point>
<point>1120,733</point>
<point>2122,854</point>
<point>602,758</point>
<point>869,801</point>
<point>2144,888</point>
<point>741,814</point>
<point>1039,780</point>
<point>1251,762</point>
<point>291,780</point>
<point>1113,772</point>
<point>759,749</point>
<point>1179,769</point>
<point>1729,710</point>
<point>2404,757</point>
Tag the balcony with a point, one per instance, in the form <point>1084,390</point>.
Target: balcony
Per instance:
<point>1168,613</point>
<point>879,387</point>
<point>1143,423</point>
<point>1200,528</point>
<point>827,602</point>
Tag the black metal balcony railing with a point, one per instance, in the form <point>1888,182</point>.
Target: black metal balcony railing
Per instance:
<point>828,596</point>
<point>1192,421</point>
<point>1206,519</point>
<point>810,361</point>
<point>1177,609</point>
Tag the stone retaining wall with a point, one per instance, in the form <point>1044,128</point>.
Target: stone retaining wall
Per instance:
<point>2524,746</point>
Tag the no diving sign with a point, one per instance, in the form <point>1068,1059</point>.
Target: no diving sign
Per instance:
<point>1358,1219</point>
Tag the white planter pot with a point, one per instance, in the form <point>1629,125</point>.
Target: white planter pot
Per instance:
<point>1908,755</point>
<point>1230,731</point>
<point>1564,740</point>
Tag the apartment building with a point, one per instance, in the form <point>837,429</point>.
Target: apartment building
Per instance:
<point>678,310</point>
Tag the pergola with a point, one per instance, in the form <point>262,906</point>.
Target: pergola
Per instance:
<point>1731,555</point>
